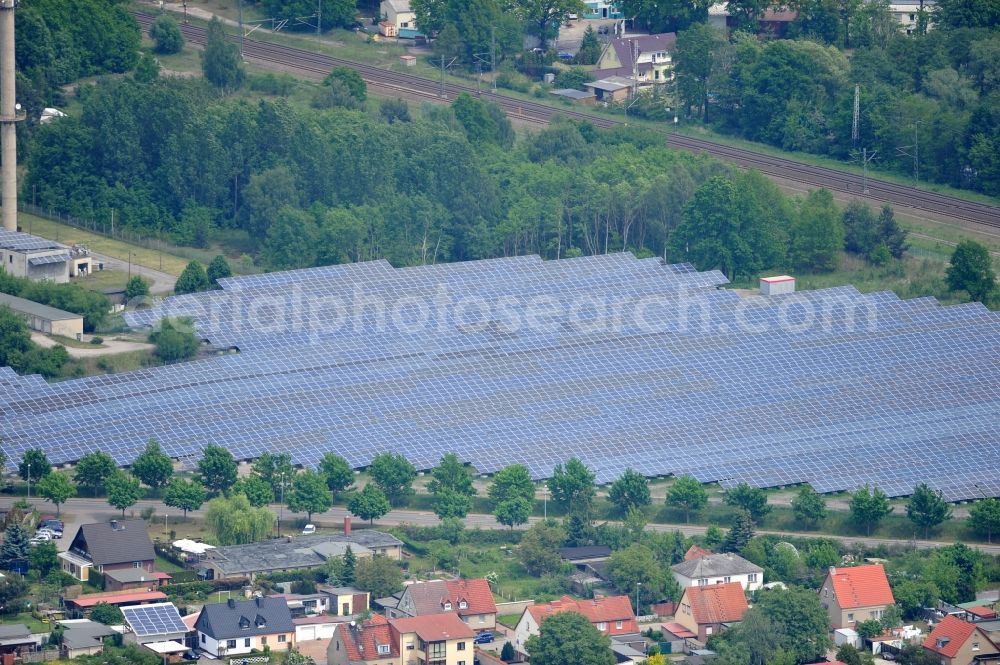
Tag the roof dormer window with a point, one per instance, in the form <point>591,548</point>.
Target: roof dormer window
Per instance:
<point>462,605</point>
<point>447,605</point>
<point>383,649</point>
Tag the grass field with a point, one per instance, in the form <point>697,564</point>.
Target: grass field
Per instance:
<point>118,249</point>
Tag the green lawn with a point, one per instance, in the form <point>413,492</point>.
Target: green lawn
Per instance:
<point>33,624</point>
<point>165,566</point>
<point>509,620</point>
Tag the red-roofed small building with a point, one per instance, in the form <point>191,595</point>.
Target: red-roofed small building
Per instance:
<point>708,610</point>
<point>958,642</point>
<point>369,642</point>
<point>854,594</point>
<point>611,615</point>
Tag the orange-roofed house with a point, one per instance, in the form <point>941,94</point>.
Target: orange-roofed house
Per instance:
<point>854,594</point>
<point>472,600</point>
<point>708,610</point>
<point>369,642</point>
<point>437,639</point>
<point>958,642</point>
<point>611,615</point>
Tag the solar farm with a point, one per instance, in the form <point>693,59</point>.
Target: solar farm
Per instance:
<point>620,361</point>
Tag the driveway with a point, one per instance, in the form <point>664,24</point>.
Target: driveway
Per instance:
<point>571,35</point>
<point>109,347</point>
<point>315,649</point>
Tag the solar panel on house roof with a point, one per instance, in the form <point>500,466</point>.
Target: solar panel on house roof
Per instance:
<point>156,619</point>
<point>622,362</point>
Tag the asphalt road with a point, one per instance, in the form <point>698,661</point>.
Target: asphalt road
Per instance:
<point>161,282</point>
<point>82,511</point>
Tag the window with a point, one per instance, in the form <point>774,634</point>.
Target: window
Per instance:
<point>462,605</point>
<point>263,640</point>
<point>409,646</point>
<point>383,649</point>
<point>137,564</point>
<point>282,638</point>
<point>850,617</point>
<point>975,646</point>
<point>461,646</point>
<point>618,625</point>
<point>727,579</point>
<point>447,606</point>
<point>752,577</point>
<point>602,626</point>
<point>708,630</point>
<point>702,582</point>
<point>246,642</point>
<point>404,25</point>
<point>230,644</point>
<point>203,638</point>
<point>461,662</point>
<point>656,74</point>
<point>482,618</point>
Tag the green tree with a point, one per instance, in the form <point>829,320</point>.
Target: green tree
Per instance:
<point>394,475</point>
<point>631,490</point>
<point>590,48</point>
<point>217,470</point>
<point>339,474</point>
<point>394,110</point>
<point>539,549</point>
<point>984,518</point>
<point>817,234</point>
<point>849,655</point>
<point>869,505</point>
<point>687,494</point>
<point>136,287</point>
<point>147,70</point>
<point>234,521</point>
<point>805,625</point>
<point>291,240</point>
<point>927,508</point>
<point>713,537</point>
<point>379,575</point>
<point>257,490</point>
<point>746,13</point>
<point>166,33</point>
<point>218,269</point>
<point>739,534</point>
<point>276,470</point>
<point>309,494</point>
<point>808,506</point>
<point>57,489</point>
<point>967,14</point>
<point>572,487</point>
<point>861,229</point>
<point>507,654</point>
<point>185,495</point>
<point>449,503</point>
<point>295,657</point>
<point>107,614</point>
<point>123,490</point>
<point>192,280</point>
<point>15,548</point>
<point>484,122</point>
<point>971,270</point>
<point>751,499</point>
<point>962,568</point>
<point>175,340</point>
<point>220,60</point>
<point>568,638</point>
<point>15,338</point>
<point>93,469</point>
<point>153,467</point>
<point>665,15</point>
<point>369,504</point>
<point>512,482</point>
<point>891,233</point>
<point>869,628</point>
<point>914,595</point>
<point>351,80</point>
<point>451,474</point>
<point>512,512</point>
<point>632,565</point>
<point>34,465</point>
<point>44,557</point>
<point>697,47</point>
<point>334,13</point>
<point>544,17</point>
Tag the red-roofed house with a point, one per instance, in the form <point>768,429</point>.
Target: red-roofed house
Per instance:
<point>695,552</point>
<point>958,642</point>
<point>472,600</point>
<point>707,610</point>
<point>855,594</point>
<point>611,615</point>
<point>440,639</point>
<point>369,642</point>
<point>87,601</point>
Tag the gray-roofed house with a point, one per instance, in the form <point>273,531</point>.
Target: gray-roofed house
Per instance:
<point>16,638</point>
<point>43,318</point>
<point>105,546</point>
<point>33,257</point>
<point>241,626</point>
<point>719,569</point>
<point>298,553</point>
<point>655,62</point>
<point>83,637</point>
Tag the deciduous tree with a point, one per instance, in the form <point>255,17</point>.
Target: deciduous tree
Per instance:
<point>57,489</point>
<point>153,467</point>
<point>572,486</point>
<point>185,495</point>
<point>123,490</point>
<point>687,494</point>
<point>166,33</point>
<point>379,575</point>
<point>808,506</point>
<point>135,288</point>
<point>369,504</point>
<point>257,490</point>
<point>217,470</point>
<point>751,499</point>
<point>539,549</point>
<point>220,60</point>
<point>107,614</point>
<point>869,505</point>
<point>632,565</point>
<point>927,508</point>
<point>235,522</point>
<point>984,518</point>
<point>629,491</point>
<point>512,512</point>
<point>512,482</point>
<point>817,234</point>
<point>568,638</point>
<point>971,270</point>
<point>545,16</point>
<point>93,469</point>
<point>339,474</point>
<point>394,475</point>
<point>34,465</point>
<point>309,494</point>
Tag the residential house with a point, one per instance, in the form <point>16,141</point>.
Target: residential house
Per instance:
<point>854,594</point>
<point>87,601</point>
<point>773,23</point>
<point>295,553</point>
<point>241,626</point>
<point>108,546</point>
<point>472,600</point>
<point>708,610</point>
<point>958,642</point>
<point>654,63</point>
<point>83,637</point>
<point>719,569</point>
<point>134,579</point>
<point>370,642</point>
<point>398,20</point>
<point>436,639</point>
<point>15,638</point>
<point>907,12</point>
<point>612,615</point>
<point>599,9</point>
<point>611,89</point>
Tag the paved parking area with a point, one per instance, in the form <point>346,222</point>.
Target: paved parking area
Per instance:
<point>315,649</point>
<point>571,35</point>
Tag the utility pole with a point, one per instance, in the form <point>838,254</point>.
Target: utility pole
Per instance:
<point>493,56</point>
<point>635,67</point>
<point>242,31</point>
<point>916,153</point>
<point>442,77</point>
<point>319,16</point>
<point>856,126</point>
<point>865,158</point>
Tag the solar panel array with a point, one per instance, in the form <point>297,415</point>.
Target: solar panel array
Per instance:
<point>619,361</point>
<point>24,242</point>
<point>157,619</point>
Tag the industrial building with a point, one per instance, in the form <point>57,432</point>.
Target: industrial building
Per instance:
<point>43,318</point>
<point>25,255</point>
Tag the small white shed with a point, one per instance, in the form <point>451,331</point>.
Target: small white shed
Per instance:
<point>776,286</point>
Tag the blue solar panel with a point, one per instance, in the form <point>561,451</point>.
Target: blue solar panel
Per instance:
<point>156,619</point>
<point>629,363</point>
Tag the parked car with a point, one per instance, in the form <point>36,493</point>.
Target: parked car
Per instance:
<point>565,55</point>
<point>38,540</point>
<point>51,523</point>
<point>484,637</point>
<point>573,17</point>
<point>55,534</point>
<point>602,30</point>
<point>309,529</point>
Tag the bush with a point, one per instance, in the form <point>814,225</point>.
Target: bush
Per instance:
<point>279,85</point>
<point>167,35</point>
<point>513,81</point>
<point>574,77</point>
<point>96,341</point>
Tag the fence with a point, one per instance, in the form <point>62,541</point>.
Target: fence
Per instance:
<point>124,234</point>
<point>38,656</point>
<point>250,660</point>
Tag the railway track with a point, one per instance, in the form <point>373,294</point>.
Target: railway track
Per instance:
<point>318,64</point>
